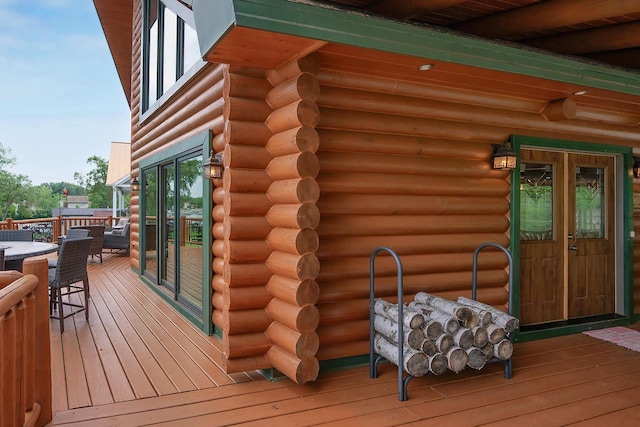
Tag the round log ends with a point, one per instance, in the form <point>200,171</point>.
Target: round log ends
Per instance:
<point>299,370</point>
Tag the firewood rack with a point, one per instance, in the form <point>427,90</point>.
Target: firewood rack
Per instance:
<point>375,359</point>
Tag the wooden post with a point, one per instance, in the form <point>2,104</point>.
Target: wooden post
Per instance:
<point>39,268</point>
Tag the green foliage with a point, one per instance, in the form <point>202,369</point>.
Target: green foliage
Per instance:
<point>100,195</point>
<point>72,189</point>
<point>14,188</point>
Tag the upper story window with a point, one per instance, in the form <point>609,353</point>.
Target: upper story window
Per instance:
<point>169,48</point>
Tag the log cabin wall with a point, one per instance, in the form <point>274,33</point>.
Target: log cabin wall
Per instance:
<point>407,165</point>
<point>293,218</point>
<point>265,261</point>
<point>240,247</point>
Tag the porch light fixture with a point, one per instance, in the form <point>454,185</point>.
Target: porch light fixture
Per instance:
<point>636,167</point>
<point>135,185</point>
<point>213,166</point>
<point>504,158</point>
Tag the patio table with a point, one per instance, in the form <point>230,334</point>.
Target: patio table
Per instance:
<point>16,252</point>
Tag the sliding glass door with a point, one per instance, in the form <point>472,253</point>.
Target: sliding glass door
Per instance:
<point>173,210</point>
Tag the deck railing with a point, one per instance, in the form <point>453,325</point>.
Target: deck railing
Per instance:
<point>191,226</point>
<point>49,229</point>
<point>25,377</point>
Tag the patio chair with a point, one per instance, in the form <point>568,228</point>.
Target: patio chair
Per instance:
<point>117,237</point>
<point>97,232</point>
<point>73,233</point>
<point>70,269</point>
<point>16,235</point>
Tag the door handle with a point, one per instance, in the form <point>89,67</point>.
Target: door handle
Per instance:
<point>573,248</point>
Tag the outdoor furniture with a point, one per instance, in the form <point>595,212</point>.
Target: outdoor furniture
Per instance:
<point>16,251</point>
<point>97,232</point>
<point>1,259</point>
<point>70,269</point>
<point>118,236</point>
<point>16,235</point>
<point>73,233</point>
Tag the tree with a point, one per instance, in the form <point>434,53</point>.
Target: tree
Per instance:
<point>72,189</point>
<point>100,195</point>
<point>13,187</point>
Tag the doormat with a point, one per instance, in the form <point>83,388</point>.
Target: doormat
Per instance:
<point>624,337</point>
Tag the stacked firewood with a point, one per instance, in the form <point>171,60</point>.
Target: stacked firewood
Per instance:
<point>440,334</point>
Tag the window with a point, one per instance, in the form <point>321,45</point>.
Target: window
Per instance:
<point>169,48</point>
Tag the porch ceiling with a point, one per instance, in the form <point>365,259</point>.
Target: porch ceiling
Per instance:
<point>606,31</point>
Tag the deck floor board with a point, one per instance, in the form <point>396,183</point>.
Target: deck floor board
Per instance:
<point>134,341</point>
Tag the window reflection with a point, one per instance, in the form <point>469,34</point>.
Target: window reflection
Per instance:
<point>589,203</point>
<point>536,201</point>
<point>170,48</point>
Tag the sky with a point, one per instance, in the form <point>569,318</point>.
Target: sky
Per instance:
<point>61,101</point>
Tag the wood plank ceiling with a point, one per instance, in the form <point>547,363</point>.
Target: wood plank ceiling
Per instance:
<point>607,31</point>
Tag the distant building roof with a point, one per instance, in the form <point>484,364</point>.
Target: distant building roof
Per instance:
<point>119,162</point>
<point>77,199</point>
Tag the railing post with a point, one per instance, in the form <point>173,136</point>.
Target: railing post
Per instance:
<point>183,235</point>
<point>39,267</point>
<point>9,224</point>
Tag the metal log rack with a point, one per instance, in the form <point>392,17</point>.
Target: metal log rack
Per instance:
<point>375,359</point>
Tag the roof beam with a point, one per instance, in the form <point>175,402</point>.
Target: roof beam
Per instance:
<point>546,15</point>
<point>410,8</point>
<point>612,37</point>
<point>624,58</point>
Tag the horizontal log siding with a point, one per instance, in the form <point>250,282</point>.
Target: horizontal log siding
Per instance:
<point>134,202</point>
<point>390,176</point>
<point>240,298</point>
<point>406,165</point>
<point>292,218</point>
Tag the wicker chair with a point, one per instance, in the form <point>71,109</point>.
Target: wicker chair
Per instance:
<point>73,233</point>
<point>71,268</point>
<point>97,232</point>
<point>16,235</point>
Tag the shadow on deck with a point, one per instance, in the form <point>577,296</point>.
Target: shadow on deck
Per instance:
<point>140,363</point>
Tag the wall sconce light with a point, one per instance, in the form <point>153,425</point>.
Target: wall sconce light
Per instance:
<point>504,158</point>
<point>135,184</point>
<point>213,166</point>
<point>636,167</point>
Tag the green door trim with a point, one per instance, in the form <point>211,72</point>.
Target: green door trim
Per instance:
<point>626,153</point>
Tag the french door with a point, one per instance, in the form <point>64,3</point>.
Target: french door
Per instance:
<point>567,236</point>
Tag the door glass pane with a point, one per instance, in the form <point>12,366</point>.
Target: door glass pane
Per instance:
<point>190,230</point>
<point>167,233</point>
<point>536,201</point>
<point>149,184</point>
<point>590,206</point>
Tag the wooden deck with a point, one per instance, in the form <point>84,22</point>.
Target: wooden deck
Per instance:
<point>139,363</point>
